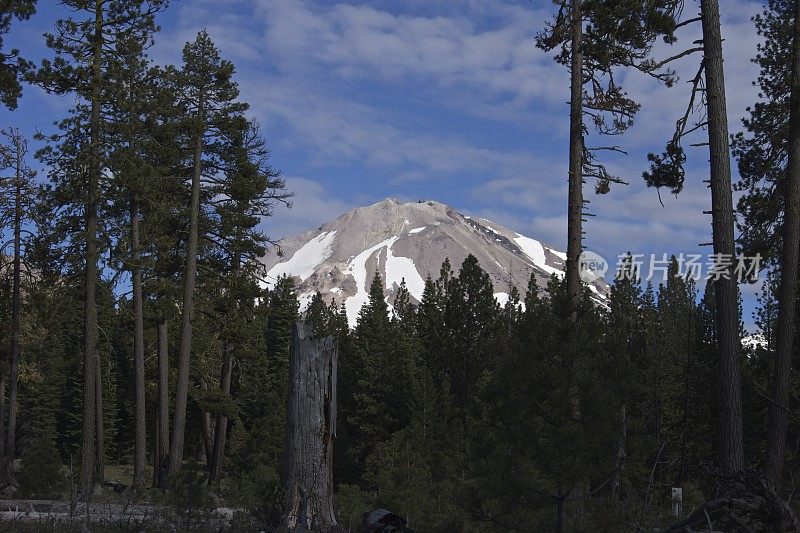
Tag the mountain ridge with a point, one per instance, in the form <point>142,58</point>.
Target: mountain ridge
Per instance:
<point>408,241</point>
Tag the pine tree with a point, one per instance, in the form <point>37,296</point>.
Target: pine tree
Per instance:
<point>40,470</point>
<point>430,325</point>
<point>667,170</point>
<point>16,197</point>
<point>82,53</point>
<point>262,384</point>
<point>417,469</point>
<point>472,318</point>
<point>769,163</point>
<point>12,66</point>
<point>163,243</point>
<point>624,353</point>
<point>209,102</point>
<point>318,315</point>
<point>595,39</point>
<point>134,82</point>
<point>370,416</point>
<point>249,189</point>
<point>402,308</point>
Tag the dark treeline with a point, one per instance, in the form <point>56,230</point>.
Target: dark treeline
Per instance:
<point>141,345</point>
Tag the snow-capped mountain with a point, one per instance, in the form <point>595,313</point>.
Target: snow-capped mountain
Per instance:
<point>408,241</point>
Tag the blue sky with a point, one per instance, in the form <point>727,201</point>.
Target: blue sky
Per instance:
<point>436,99</point>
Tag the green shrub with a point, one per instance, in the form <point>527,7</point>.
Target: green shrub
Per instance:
<point>40,473</point>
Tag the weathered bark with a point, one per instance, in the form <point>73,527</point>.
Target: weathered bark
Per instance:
<point>731,450</point>
<point>204,452</point>
<point>574,216</point>
<point>787,295</point>
<point>90,304</point>
<point>140,429</point>
<point>221,427</point>
<point>305,501</point>
<point>162,422</point>
<point>16,303</point>
<point>187,314</point>
<point>575,195</point>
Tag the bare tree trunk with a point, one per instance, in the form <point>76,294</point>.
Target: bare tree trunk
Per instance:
<point>162,423</point>
<point>575,198</point>
<point>16,303</point>
<point>90,309</point>
<point>221,427</point>
<point>779,410</point>
<point>205,451</point>
<point>731,450</point>
<point>140,429</point>
<point>305,501</point>
<point>187,314</point>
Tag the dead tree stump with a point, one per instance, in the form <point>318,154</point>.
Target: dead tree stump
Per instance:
<point>305,498</point>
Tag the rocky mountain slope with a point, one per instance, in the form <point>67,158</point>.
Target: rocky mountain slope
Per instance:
<point>408,241</point>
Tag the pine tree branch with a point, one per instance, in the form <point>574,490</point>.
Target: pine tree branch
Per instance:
<point>678,56</point>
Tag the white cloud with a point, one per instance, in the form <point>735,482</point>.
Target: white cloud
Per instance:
<point>489,68</point>
<point>312,206</point>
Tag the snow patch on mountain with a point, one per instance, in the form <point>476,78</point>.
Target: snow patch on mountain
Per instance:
<point>304,260</point>
<point>399,269</point>
<point>358,269</point>
<point>534,249</point>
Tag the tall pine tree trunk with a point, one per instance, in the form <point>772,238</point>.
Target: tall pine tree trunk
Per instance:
<point>162,423</point>
<point>575,198</point>
<point>731,451</point>
<point>221,427</point>
<point>305,499</point>
<point>90,304</point>
<point>187,314</point>
<point>16,303</point>
<point>574,220</point>
<point>140,437</point>
<point>790,255</point>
